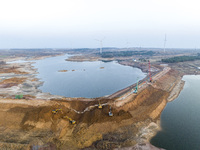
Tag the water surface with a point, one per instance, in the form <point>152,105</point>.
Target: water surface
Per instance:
<point>180,120</point>
<point>84,79</point>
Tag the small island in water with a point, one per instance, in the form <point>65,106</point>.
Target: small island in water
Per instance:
<point>62,70</point>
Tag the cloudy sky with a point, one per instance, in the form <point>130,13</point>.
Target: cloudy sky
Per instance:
<point>120,23</point>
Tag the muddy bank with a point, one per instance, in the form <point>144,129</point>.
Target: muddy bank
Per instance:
<point>30,122</point>
<point>176,91</point>
<point>81,58</point>
<point>27,55</point>
<point>18,78</point>
<point>132,125</point>
<point>35,123</point>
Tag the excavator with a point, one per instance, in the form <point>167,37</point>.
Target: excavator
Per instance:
<point>56,110</point>
<point>99,105</point>
<point>110,112</point>
<point>70,120</point>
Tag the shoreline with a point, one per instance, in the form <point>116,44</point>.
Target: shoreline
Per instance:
<point>172,96</point>
<point>145,131</point>
<point>37,83</point>
<point>31,84</point>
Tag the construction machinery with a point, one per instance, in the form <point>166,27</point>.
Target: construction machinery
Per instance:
<point>56,111</point>
<point>19,96</point>
<point>136,88</point>
<point>110,112</point>
<point>99,105</point>
<point>70,119</point>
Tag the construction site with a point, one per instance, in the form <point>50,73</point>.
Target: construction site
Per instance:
<point>128,118</point>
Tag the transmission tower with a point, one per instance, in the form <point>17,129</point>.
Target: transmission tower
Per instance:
<point>101,44</point>
<point>150,79</point>
<point>165,40</point>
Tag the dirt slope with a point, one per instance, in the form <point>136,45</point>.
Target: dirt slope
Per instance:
<point>26,124</point>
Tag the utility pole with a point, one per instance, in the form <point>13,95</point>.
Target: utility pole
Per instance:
<point>165,40</point>
<point>127,45</point>
<point>150,79</point>
<point>101,45</point>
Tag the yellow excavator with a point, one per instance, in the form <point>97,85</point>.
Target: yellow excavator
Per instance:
<point>70,120</point>
<point>99,105</point>
<point>56,111</point>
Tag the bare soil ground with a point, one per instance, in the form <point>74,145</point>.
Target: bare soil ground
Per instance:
<point>187,68</point>
<point>30,124</point>
<point>11,82</point>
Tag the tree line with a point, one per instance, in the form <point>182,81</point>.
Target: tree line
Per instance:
<point>125,53</point>
<point>181,59</point>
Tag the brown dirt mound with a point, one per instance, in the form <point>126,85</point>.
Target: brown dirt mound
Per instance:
<point>97,115</point>
<point>34,115</point>
<point>145,103</point>
<point>167,81</point>
<point>147,97</point>
<point>93,125</point>
<point>82,105</point>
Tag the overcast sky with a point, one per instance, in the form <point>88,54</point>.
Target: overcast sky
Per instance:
<point>120,23</point>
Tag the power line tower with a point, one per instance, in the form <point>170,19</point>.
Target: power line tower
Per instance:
<point>150,79</point>
<point>165,40</point>
<point>127,45</point>
<point>101,44</point>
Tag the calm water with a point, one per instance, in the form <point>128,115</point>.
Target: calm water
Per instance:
<point>180,120</point>
<point>88,79</point>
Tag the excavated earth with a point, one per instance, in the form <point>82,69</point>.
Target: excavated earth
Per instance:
<point>30,124</point>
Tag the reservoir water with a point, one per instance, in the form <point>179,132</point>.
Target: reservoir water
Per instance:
<point>84,79</point>
<point>180,120</point>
